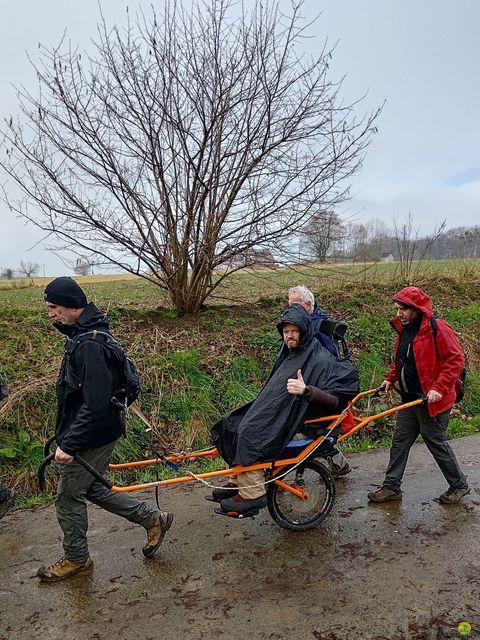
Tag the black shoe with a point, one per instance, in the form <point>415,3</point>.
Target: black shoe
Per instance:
<point>228,491</point>
<point>243,506</point>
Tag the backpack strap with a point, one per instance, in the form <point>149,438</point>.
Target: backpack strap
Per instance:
<point>434,326</point>
<point>74,342</point>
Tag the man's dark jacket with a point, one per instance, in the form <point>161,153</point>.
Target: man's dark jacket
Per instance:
<point>261,429</point>
<point>86,418</point>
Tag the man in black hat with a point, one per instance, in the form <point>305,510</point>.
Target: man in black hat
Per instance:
<point>88,424</point>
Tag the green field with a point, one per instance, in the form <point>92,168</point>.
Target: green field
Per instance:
<point>194,369</point>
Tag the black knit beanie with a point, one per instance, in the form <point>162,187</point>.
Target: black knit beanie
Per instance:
<point>65,292</point>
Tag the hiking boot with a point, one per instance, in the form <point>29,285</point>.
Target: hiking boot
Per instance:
<point>452,496</point>
<point>7,496</point>
<point>62,569</point>
<point>156,534</point>
<point>383,494</point>
<point>240,505</point>
<point>228,491</point>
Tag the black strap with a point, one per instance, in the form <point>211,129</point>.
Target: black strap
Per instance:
<point>433,324</point>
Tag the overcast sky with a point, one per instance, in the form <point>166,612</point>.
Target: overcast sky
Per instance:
<point>420,56</point>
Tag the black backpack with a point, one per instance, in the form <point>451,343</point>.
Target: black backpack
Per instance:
<point>462,377</point>
<point>129,380</point>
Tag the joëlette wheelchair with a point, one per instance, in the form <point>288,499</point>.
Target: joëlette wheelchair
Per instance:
<point>300,488</point>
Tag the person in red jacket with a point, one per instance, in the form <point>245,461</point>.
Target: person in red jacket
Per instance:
<point>425,365</point>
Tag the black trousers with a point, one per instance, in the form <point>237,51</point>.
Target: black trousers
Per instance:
<point>417,421</point>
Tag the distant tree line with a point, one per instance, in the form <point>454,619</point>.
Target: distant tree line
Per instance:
<point>25,270</point>
<point>328,239</point>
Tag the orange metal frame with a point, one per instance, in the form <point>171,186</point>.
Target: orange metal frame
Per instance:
<point>276,466</point>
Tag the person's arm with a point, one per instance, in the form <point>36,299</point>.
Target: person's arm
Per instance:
<point>320,398</point>
<point>96,385</point>
<point>314,395</point>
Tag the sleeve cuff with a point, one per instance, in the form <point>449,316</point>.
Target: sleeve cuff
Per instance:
<point>307,394</point>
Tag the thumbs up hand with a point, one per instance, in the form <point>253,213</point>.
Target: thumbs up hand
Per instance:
<point>296,386</point>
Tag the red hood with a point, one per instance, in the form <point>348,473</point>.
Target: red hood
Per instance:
<point>415,297</point>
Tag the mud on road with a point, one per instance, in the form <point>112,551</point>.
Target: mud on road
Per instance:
<point>394,571</point>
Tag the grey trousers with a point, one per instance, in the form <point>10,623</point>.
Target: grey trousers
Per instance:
<point>76,485</point>
<point>417,421</point>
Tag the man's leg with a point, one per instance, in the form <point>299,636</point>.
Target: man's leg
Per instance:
<point>121,504</point>
<point>251,494</point>
<point>251,484</point>
<point>155,523</point>
<point>405,434</point>
<point>433,431</point>
<point>71,509</point>
<point>72,517</point>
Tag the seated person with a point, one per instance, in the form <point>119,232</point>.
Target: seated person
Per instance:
<point>337,464</point>
<point>262,429</point>
<point>303,296</point>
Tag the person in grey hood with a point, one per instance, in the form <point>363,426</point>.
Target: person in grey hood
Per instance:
<point>88,424</point>
<point>306,381</point>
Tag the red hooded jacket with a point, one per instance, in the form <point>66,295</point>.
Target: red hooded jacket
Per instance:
<point>439,362</point>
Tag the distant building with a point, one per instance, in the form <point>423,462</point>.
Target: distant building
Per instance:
<point>387,257</point>
<point>252,259</point>
<point>261,259</point>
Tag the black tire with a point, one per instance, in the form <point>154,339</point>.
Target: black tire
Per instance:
<point>297,515</point>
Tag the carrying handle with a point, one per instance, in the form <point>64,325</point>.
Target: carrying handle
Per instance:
<point>48,444</point>
<point>96,474</point>
<point>51,457</point>
<point>42,467</point>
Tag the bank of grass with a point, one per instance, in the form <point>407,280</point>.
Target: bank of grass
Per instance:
<point>194,370</point>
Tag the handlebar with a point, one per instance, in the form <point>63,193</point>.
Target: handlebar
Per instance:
<point>376,393</point>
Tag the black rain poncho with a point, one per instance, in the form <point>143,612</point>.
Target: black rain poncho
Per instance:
<point>261,429</point>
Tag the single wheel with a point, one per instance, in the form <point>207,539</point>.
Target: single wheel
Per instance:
<point>292,513</point>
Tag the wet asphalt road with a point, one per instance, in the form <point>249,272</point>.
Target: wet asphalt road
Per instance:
<point>400,570</point>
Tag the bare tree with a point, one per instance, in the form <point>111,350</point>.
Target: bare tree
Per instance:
<point>28,269</point>
<point>323,234</point>
<point>357,238</point>
<point>82,267</point>
<point>184,140</point>
<point>8,273</point>
<point>410,246</point>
